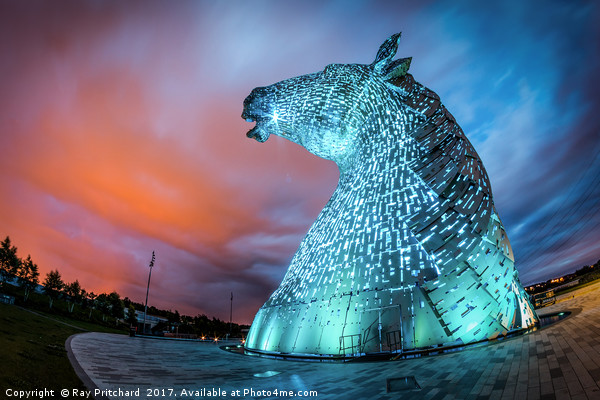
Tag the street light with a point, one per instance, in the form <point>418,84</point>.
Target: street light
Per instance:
<point>230,314</point>
<point>147,290</point>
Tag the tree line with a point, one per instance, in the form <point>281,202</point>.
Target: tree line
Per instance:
<point>27,274</point>
<point>11,265</point>
<point>583,275</point>
<point>109,305</point>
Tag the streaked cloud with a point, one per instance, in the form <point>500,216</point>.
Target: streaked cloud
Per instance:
<point>121,133</point>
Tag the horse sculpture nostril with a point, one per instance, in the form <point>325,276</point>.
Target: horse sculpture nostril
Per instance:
<point>254,104</point>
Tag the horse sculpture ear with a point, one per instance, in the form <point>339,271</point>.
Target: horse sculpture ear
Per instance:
<point>386,52</point>
<point>383,63</point>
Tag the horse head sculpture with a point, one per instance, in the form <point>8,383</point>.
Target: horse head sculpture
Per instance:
<point>409,252</point>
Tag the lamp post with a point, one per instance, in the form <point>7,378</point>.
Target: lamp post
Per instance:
<point>148,289</point>
<point>230,313</point>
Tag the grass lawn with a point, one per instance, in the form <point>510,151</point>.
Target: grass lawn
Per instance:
<point>32,350</point>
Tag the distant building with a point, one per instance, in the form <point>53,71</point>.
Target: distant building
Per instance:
<point>6,299</point>
<point>151,320</point>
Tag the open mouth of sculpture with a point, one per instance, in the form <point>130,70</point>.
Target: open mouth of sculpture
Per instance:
<point>259,132</point>
<point>255,110</point>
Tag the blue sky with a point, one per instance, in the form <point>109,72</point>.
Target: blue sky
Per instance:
<point>122,134</point>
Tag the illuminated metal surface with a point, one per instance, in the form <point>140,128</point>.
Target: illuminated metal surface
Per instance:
<point>409,252</point>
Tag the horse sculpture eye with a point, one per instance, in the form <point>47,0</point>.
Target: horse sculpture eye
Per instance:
<point>409,252</point>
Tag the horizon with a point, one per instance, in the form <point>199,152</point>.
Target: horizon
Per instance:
<point>123,129</point>
<point>13,281</point>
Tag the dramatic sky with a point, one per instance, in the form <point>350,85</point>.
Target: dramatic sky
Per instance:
<point>120,133</point>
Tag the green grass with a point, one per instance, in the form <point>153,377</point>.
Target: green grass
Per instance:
<point>32,350</point>
<point>83,325</point>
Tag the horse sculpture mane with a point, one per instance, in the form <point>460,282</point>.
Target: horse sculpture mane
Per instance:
<point>409,252</point>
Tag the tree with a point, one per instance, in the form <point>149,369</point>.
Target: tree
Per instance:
<point>73,292</point>
<point>131,317</point>
<point>53,285</point>
<point>9,261</point>
<point>103,305</point>
<point>174,317</point>
<point>110,305</point>
<point>83,299</point>
<point>91,298</point>
<point>116,305</point>
<point>28,276</point>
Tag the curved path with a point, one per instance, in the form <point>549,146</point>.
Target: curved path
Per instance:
<point>561,361</point>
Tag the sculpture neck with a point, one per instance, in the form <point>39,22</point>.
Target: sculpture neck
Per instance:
<point>380,153</point>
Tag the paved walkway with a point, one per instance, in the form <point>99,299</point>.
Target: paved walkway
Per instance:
<point>561,361</point>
